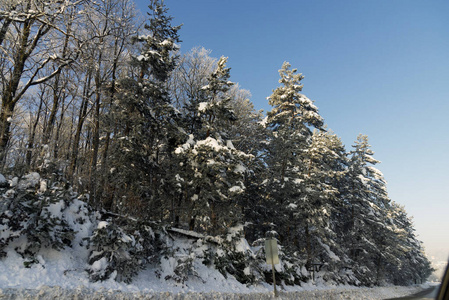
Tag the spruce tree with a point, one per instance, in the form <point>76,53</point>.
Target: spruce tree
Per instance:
<point>147,131</point>
<point>290,122</point>
<point>366,206</point>
<point>316,206</point>
<point>34,209</point>
<point>411,266</point>
<point>212,169</point>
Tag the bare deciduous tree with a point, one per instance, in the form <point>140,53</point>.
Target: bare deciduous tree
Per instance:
<point>26,48</point>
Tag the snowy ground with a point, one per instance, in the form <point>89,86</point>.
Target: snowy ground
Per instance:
<point>60,275</point>
<point>46,292</point>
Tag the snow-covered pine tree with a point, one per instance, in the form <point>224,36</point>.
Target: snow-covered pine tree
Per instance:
<point>189,88</point>
<point>290,122</point>
<point>186,84</point>
<point>215,110</point>
<point>146,131</point>
<point>411,265</point>
<point>315,207</point>
<point>32,215</point>
<point>291,269</point>
<point>119,249</point>
<point>212,169</point>
<point>383,231</point>
<point>158,57</point>
<point>365,208</point>
<point>233,256</point>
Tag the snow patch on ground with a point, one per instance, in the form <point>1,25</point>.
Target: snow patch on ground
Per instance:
<point>48,292</point>
<point>62,275</point>
<point>2,179</point>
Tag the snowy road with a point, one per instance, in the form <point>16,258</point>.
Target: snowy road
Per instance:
<point>47,292</point>
<point>430,293</point>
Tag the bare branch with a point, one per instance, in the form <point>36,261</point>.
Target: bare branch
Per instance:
<point>32,82</point>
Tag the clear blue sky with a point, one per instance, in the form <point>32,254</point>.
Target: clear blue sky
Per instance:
<point>380,68</point>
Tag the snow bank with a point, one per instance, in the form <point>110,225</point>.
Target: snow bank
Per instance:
<point>3,180</point>
<point>62,275</point>
<point>47,292</point>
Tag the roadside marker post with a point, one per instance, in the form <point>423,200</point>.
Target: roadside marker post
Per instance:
<point>272,257</point>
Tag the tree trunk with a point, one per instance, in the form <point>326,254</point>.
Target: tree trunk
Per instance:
<point>96,132</point>
<point>213,219</point>
<point>58,131</point>
<point>52,118</point>
<point>30,144</point>
<point>108,204</point>
<point>95,147</point>
<point>79,127</point>
<point>5,127</point>
<point>379,269</point>
<point>4,30</point>
<point>192,223</point>
<point>10,89</point>
<point>56,94</point>
<point>308,246</point>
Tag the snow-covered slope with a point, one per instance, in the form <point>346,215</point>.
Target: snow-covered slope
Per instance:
<point>61,274</point>
<point>189,265</point>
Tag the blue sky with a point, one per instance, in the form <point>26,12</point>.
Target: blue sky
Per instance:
<point>380,68</point>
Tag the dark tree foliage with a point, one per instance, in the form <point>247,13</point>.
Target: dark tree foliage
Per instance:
<point>146,131</point>
<point>174,142</point>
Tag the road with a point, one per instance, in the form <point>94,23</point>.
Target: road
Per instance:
<point>430,293</point>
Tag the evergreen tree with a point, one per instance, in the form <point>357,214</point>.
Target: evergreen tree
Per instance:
<point>212,170</point>
<point>316,206</point>
<point>366,203</point>
<point>186,84</point>
<point>411,265</point>
<point>147,130</point>
<point>120,252</point>
<point>32,215</point>
<point>290,122</point>
<point>234,256</point>
<point>225,111</point>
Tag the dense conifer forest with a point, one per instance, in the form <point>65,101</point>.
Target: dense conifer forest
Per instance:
<point>104,120</point>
